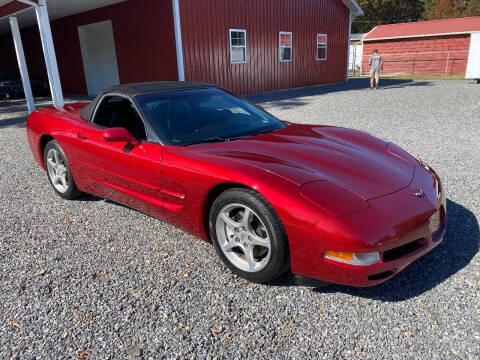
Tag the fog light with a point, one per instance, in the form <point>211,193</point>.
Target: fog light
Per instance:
<point>435,222</point>
<point>360,259</point>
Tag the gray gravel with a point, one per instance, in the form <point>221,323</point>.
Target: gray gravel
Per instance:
<point>92,279</point>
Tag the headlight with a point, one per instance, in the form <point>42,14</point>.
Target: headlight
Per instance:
<point>359,259</point>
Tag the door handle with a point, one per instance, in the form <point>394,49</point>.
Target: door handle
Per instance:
<point>82,136</point>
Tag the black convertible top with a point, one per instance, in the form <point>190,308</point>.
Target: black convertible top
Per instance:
<point>131,90</point>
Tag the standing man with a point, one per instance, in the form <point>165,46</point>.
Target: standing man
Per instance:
<point>376,62</point>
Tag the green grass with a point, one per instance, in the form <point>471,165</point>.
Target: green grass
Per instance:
<point>422,77</point>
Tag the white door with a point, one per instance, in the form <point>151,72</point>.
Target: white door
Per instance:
<point>99,57</point>
<point>473,65</point>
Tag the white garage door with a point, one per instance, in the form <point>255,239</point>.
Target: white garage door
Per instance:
<point>473,65</point>
<point>99,57</point>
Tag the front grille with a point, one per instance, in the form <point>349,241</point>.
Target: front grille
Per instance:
<point>404,250</point>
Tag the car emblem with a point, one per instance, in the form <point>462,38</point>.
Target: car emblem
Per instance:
<point>419,193</point>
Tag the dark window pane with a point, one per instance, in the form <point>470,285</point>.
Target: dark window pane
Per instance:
<point>286,54</point>
<point>321,53</point>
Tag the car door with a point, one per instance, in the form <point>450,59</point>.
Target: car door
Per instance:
<point>118,170</point>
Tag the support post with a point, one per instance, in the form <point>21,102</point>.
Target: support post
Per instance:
<point>348,43</point>
<point>448,59</point>
<point>22,64</point>
<point>48,51</point>
<point>178,40</point>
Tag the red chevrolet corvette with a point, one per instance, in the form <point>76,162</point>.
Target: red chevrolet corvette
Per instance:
<point>329,203</point>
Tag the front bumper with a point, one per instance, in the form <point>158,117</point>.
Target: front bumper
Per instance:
<point>396,225</point>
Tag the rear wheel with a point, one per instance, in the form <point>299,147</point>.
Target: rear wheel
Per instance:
<point>58,171</point>
<point>248,235</point>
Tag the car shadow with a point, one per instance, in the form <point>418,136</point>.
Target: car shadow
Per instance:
<point>291,98</point>
<point>461,243</point>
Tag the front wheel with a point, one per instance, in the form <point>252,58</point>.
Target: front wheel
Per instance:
<point>58,171</point>
<point>248,235</point>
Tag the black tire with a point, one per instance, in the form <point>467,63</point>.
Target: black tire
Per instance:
<point>72,191</point>
<point>279,260</point>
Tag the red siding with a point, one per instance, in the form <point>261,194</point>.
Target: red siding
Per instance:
<point>144,42</point>
<point>207,52</point>
<point>402,56</point>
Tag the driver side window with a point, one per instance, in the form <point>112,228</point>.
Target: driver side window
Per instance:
<point>116,111</point>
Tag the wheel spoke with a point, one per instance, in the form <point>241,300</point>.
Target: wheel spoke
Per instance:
<point>56,157</point>
<point>247,214</point>
<point>51,163</point>
<point>232,224</point>
<point>250,259</point>
<point>259,241</point>
<point>228,246</point>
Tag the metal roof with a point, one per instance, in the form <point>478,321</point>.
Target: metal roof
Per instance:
<point>453,26</point>
<point>56,9</point>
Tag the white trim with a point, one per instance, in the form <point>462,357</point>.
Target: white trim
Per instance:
<point>326,46</point>
<point>353,6</point>
<point>280,45</point>
<point>178,40</point>
<point>348,45</point>
<point>417,36</point>
<point>238,46</point>
<point>22,65</point>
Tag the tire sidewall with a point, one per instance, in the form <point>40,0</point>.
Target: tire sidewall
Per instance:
<point>278,243</point>
<point>72,190</point>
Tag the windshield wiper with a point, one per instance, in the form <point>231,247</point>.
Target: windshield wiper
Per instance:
<point>207,140</point>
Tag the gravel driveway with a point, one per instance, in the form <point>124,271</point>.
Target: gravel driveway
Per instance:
<point>91,279</point>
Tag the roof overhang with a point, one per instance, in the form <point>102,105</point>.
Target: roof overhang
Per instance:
<point>353,6</point>
<point>57,9</point>
<point>418,36</point>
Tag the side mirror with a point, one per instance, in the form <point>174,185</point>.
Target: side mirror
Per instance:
<point>119,135</point>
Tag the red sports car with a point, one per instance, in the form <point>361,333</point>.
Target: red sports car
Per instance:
<point>329,203</point>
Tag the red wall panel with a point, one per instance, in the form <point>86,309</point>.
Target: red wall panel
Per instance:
<point>207,50</point>
<point>144,43</point>
<point>429,55</point>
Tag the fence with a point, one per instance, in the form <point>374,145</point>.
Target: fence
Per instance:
<point>450,62</point>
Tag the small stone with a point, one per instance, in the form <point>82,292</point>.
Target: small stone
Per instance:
<point>134,351</point>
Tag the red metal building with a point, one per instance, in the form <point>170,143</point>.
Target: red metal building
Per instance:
<point>244,45</point>
<point>425,47</point>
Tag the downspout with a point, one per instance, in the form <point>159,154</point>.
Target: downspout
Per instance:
<point>178,40</point>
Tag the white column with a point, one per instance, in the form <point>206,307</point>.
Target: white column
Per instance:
<point>178,40</point>
<point>22,64</point>
<point>49,53</point>
<point>348,43</point>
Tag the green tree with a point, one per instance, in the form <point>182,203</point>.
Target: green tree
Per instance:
<point>445,9</point>
<point>378,12</point>
<point>472,8</point>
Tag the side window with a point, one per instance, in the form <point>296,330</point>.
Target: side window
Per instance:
<point>238,46</point>
<point>321,46</point>
<point>116,111</point>
<point>285,46</point>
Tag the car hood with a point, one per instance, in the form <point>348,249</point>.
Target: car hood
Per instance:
<point>303,153</point>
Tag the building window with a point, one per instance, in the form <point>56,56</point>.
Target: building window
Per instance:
<point>321,46</point>
<point>285,42</point>
<point>238,46</point>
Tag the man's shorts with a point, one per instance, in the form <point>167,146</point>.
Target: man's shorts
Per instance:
<point>374,73</point>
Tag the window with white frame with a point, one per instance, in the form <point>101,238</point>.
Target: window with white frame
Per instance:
<point>238,46</point>
<point>285,46</point>
<point>321,46</point>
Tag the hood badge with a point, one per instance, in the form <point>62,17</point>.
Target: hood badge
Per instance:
<point>419,193</point>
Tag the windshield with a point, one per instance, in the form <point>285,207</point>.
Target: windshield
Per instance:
<point>190,117</point>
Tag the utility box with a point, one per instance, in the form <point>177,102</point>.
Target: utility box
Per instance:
<point>473,64</point>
